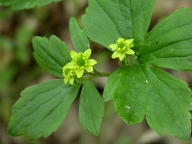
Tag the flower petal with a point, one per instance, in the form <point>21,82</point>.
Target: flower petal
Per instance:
<point>121,56</point>
<point>120,40</point>
<point>113,47</point>
<point>87,53</point>
<point>115,55</point>
<point>73,54</point>
<point>89,69</point>
<point>66,80</point>
<point>79,73</point>
<point>130,51</point>
<point>70,65</point>
<point>71,81</point>
<point>129,41</point>
<point>92,62</point>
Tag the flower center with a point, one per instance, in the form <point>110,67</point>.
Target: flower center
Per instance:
<point>121,45</point>
<point>80,61</point>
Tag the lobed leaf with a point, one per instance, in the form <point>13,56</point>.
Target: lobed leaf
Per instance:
<point>91,109</point>
<point>51,54</point>
<point>25,4</point>
<point>107,20</point>
<point>78,36</point>
<point>41,109</point>
<point>169,44</point>
<point>150,92</point>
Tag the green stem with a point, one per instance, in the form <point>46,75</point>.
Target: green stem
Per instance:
<point>101,74</point>
<point>93,75</point>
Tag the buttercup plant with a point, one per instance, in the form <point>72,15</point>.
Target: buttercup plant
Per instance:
<point>139,90</point>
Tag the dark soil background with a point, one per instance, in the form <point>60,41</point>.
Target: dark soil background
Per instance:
<point>19,70</point>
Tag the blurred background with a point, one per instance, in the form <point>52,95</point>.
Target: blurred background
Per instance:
<point>19,70</point>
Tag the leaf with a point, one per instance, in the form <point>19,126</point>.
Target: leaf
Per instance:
<point>163,99</point>
<point>78,36</point>
<point>25,4</point>
<point>111,85</point>
<point>51,54</point>
<point>41,109</point>
<point>169,44</point>
<point>91,109</point>
<point>107,20</point>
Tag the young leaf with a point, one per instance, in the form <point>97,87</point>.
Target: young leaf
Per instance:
<point>78,36</point>
<point>169,44</point>
<point>108,20</point>
<point>51,54</point>
<point>91,109</point>
<point>41,109</point>
<point>25,4</point>
<point>163,99</point>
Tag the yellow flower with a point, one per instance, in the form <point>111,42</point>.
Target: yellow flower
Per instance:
<point>82,62</point>
<point>69,73</point>
<point>121,48</point>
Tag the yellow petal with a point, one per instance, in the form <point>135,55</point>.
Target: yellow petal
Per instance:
<point>115,55</point>
<point>89,69</point>
<point>64,69</point>
<point>121,57</point>
<point>66,80</point>
<point>79,73</point>
<point>113,47</point>
<point>129,41</point>
<point>73,54</point>
<point>130,51</point>
<point>71,81</point>
<point>87,53</point>
<point>68,65</point>
<point>92,62</point>
<point>120,40</point>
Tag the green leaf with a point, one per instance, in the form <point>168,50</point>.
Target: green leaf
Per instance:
<point>41,109</point>
<point>163,99</point>
<point>107,20</point>
<point>78,36</point>
<point>91,109</point>
<point>25,4</point>
<point>51,54</point>
<point>111,85</point>
<point>169,44</point>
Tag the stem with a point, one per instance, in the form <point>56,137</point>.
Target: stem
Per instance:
<point>101,74</point>
<point>94,75</point>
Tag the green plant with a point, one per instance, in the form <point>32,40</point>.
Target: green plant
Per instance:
<point>22,4</point>
<point>138,88</point>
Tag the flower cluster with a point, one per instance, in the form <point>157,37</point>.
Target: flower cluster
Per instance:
<point>122,47</point>
<point>79,64</point>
